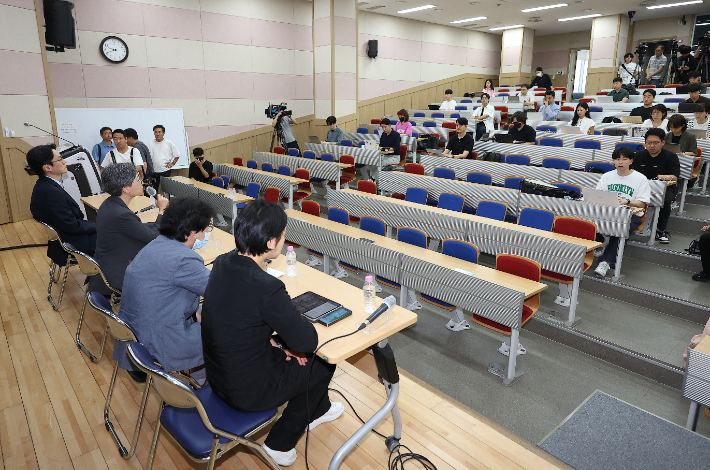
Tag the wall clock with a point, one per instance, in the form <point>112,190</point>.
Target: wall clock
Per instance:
<point>114,49</point>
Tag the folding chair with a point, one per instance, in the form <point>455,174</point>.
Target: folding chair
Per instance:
<point>57,262</point>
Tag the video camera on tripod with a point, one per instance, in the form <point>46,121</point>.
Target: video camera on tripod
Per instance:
<point>274,109</point>
<point>271,112</point>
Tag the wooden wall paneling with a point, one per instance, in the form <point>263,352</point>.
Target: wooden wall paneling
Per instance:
<point>4,186</point>
<point>19,183</point>
<point>599,78</point>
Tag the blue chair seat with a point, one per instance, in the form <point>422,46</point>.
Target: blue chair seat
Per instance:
<point>437,302</point>
<point>186,426</point>
<point>387,282</point>
<point>469,210</point>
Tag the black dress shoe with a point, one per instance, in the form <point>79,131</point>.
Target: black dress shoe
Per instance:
<point>701,276</point>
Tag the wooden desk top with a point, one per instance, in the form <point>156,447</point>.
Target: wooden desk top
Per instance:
<point>704,345</point>
<point>341,165</point>
<point>311,279</point>
<point>588,244</point>
<point>529,288</point>
<point>290,179</point>
<point>136,204</point>
<point>213,189</point>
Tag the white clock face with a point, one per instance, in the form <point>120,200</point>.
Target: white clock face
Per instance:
<point>114,49</point>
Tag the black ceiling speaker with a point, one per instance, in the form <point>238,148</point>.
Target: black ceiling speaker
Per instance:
<point>59,24</point>
<point>372,48</point>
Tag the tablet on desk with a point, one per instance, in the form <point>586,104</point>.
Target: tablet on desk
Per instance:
<point>314,306</point>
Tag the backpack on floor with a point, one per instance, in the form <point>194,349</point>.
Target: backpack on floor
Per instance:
<point>490,157</point>
<point>694,247</point>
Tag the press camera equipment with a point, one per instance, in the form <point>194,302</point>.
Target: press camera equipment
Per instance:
<point>274,109</point>
<point>704,56</point>
<point>271,112</point>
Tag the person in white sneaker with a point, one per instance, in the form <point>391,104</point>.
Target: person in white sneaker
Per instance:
<point>248,367</point>
<point>633,190</point>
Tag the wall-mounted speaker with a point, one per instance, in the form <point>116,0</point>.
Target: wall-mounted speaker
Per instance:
<point>372,48</point>
<point>59,25</point>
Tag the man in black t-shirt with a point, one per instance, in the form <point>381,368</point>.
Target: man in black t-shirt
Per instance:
<point>200,169</point>
<point>541,80</point>
<point>461,144</point>
<point>657,162</point>
<point>520,131</point>
<point>645,110</point>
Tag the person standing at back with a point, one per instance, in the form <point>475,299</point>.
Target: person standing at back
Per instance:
<point>541,80</point>
<point>123,153</point>
<point>102,148</point>
<point>684,63</point>
<point>657,67</point>
<point>629,71</point>
<point>132,140</point>
<point>164,153</point>
<point>449,103</point>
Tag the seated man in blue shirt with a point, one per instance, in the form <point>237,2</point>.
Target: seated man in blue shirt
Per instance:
<point>549,109</point>
<point>335,134</point>
<point>105,146</point>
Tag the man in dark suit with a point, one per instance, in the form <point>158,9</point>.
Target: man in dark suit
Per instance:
<point>52,205</point>
<point>121,234</point>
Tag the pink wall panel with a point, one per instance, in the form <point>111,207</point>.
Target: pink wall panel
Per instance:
<point>302,38</point>
<point>552,60</point>
<point>345,31</point>
<point>369,88</point>
<point>406,49</point>
<point>510,56</point>
<point>271,34</point>
<point>304,87</point>
<point>22,73</point>
<point>178,23</point>
<point>399,85</point>
<point>345,86</point>
<point>177,83</point>
<point>198,135</point>
<point>109,16</point>
<point>225,29</point>
<point>67,80</point>
<point>321,32</point>
<point>116,82</point>
<point>527,56</point>
<point>603,48</point>
<point>323,86</point>
<point>229,84</point>
<point>486,59</point>
<point>271,86</point>
<point>28,4</point>
<point>443,54</point>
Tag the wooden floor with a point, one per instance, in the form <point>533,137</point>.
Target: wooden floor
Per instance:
<point>52,396</point>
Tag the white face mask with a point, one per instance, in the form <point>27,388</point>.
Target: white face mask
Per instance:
<point>539,74</point>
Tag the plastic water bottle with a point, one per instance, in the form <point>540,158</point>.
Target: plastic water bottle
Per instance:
<point>369,293</point>
<point>291,267</point>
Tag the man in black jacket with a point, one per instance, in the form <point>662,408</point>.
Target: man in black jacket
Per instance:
<point>52,205</point>
<point>655,162</point>
<point>541,80</point>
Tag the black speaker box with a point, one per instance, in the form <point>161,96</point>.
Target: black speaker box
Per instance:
<point>59,24</point>
<point>372,48</point>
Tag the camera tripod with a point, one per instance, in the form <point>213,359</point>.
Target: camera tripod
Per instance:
<point>278,130</point>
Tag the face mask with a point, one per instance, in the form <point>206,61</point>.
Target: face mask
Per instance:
<point>200,243</point>
<point>539,74</point>
<point>401,119</point>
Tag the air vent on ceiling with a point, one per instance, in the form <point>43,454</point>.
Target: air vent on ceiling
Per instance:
<point>361,3</point>
<point>534,19</point>
<point>375,8</point>
<point>647,2</point>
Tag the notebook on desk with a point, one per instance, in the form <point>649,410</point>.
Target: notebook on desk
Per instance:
<point>686,108</point>
<point>604,99</point>
<point>569,130</point>
<point>675,148</point>
<point>535,117</point>
<point>434,107</point>
<point>513,99</point>
<point>699,133</point>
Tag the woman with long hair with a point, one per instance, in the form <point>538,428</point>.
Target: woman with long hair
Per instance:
<point>488,87</point>
<point>583,119</point>
<point>403,126</point>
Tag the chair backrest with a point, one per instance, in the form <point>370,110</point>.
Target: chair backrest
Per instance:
<point>454,115</point>
<point>416,195</point>
<point>252,164</point>
<point>587,144</point>
<point>575,227</point>
<point>336,214</point>
<point>513,182</point>
<point>536,218</point>
<point>412,236</point>
<point>309,154</point>
<point>121,330</point>
<point>460,249</point>
<point>266,166</point>
<point>445,173</point>
<point>88,265</point>
<point>361,143</point>
<point>327,157</point>
<point>226,180</point>
<point>310,207</point>
<point>438,115</point>
<point>362,130</point>
<point>238,161</point>
<point>253,189</point>
<point>450,201</point>
<point>375,121</point>
<point>279,150</point>
<point>302,173</point>
<point>492,210</point>
<point>372,224</point>
<point>546,128</point>
<point>284,170</point>
<point>367,186</point>
<point>419,115</point>
<point>460,108</point>
<point>575,190</point>
<point>550,142</point>
<point>414,168</point>
<point>219,182</point>
<point>587,100</point>
<point>673,100</point>
<point>517,159</point>
<point>632,145</point>
<point>293,152</point>
<point>604,166</point>
<point>272,195</point>
<point>466,101</point>
<point>347,159</point>
<point>596,109</point>
<point>346,143</point>
<point>52,234</point>
<point>567,108</point>
<point>413,123</point>
<point>448,125</point>
<point>615,131</point>
<point>479,177</point>
<point>429,124</point>
<point>518,266</point>
<point>557,163</point>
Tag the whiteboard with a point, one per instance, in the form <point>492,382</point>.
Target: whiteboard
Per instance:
<point>82,125</point>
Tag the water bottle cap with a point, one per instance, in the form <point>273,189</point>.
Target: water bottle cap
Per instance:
<point>368,278</point>
<point>290,248</point>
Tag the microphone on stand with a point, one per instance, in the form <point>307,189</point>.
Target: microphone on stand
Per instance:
<point>387,304</point>
<point>54,135</point>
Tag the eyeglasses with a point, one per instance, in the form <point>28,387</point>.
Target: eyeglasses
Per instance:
<point>55,161</point>
<point>653,142</point>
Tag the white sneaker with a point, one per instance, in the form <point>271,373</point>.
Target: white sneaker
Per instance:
<point>221,223</point>
<point>335,411</point>
<point>313,261</point>
<point>504,349</point>
<point>563,301</point>
<point>284,459</point>
<point>602,268</point>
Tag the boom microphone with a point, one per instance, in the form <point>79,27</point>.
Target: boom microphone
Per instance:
<point>32,125</point>
<point>387,304</point>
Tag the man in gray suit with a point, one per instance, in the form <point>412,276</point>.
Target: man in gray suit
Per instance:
<point>120,233</point>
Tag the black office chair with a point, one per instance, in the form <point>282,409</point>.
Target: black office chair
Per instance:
<point>57,262</point>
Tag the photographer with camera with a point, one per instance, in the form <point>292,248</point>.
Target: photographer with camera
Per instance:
<point>684,64</point>
<point>629,72</point>
<point>200,169</point>
<point>285,119</point>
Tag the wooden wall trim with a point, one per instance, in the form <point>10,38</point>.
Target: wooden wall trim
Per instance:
<point>419,88</point>
<point>45,65</point>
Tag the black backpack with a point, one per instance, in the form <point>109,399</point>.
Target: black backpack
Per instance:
<point>490,157</point>
<point>609,119</point>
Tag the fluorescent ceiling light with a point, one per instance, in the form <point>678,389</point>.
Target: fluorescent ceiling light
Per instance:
<point>528,10</point>
<point>702,24</point>
<point>580,17</point>
<point>675,4</point>
<point>411,10</point>
<point>507,27</point>
<point>470,19</point>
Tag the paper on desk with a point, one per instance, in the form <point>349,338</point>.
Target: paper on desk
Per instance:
<point>274,272</point>
<point>463,271</point>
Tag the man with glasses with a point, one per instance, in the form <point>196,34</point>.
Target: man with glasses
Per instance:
<point>461,144</point>
<point>52,205</point>
<point>655,162</point>
<point>656,68</point>
<point>200,169</point>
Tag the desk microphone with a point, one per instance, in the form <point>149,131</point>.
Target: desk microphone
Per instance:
<point>151,192</point>
<point>387,304</point>
<point>32,125</point>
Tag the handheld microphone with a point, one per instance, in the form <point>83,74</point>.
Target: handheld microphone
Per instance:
<point>151,192</point>
<point>387,304</point>
<point>54,135</point>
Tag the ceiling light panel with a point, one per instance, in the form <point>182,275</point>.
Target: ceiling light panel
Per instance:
<point>580,17</point>
<point>470,19</point>
<point>674,4</point>
<point>412,10</point>
<point>559,5</point>
<point>500,28</point>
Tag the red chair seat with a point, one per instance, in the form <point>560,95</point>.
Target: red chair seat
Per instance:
<point>297,196</point>
<point>343,180</point>
<point>398,196</point>
<point>527,314</point>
